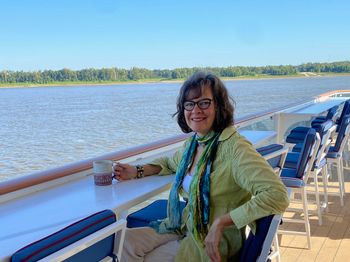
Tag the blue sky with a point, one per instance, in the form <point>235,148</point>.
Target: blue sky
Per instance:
<point>159,34</point>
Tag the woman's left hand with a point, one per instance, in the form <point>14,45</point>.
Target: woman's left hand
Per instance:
<point>212,241</point>
<point>214,235</point>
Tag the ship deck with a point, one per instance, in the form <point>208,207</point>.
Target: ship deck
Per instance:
<point>330,241</point>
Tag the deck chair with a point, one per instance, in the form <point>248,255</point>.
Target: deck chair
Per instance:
<point>97,237</point>
<point>335,157</point>
<point>345,111</point>
<point>297,134</point>
<point>257,247</point>
<point>319,168</point>
<point>331,114</point>
<point>295,179</point>
<point>322,130</point>
<point>275,155</point>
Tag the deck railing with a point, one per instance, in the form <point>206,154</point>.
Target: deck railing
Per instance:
<point>70,169</point>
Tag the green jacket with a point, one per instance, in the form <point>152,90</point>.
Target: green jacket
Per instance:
<point>238,173</point>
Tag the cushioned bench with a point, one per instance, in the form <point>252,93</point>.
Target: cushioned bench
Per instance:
<point>152,212</point>
<point>99,229</point>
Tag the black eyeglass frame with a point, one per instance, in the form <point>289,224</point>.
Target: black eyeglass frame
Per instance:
<point>198,103</point>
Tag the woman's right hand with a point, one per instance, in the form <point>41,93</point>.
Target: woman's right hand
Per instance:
<point>124,171</point>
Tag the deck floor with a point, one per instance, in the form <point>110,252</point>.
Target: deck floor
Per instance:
<point>330,241</point>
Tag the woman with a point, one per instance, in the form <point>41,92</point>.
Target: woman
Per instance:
<point>218,171</point>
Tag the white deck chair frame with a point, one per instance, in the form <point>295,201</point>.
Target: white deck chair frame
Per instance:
<point>314,174</point>
<point>339,167</point>
<point>270,239</point>
<point>283,152</point>
<point>304,202</point>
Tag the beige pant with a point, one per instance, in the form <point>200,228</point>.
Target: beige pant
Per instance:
<point>145,244</point>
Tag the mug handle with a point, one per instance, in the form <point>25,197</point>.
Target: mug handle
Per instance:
<point>115,163</point>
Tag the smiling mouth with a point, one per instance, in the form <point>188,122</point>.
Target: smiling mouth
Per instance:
<point>199,119</point>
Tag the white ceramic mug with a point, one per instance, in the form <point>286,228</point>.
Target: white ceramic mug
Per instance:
<point>103,172</point>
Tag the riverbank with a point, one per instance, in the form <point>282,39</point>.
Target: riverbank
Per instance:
<point>162,80</point>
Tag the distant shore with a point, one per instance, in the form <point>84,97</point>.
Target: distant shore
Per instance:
<point>148,81</point>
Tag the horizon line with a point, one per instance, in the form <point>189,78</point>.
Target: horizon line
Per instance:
<point>153,69</point>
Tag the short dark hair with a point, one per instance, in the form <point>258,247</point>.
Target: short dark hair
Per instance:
<point>223,102</point>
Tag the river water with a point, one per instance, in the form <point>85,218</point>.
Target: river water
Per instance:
<point>48,127</point>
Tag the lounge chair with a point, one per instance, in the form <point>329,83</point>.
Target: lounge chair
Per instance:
<point>335,156</point>
<point>295,179</point>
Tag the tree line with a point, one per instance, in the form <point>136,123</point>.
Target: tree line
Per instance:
<point>136,74</point>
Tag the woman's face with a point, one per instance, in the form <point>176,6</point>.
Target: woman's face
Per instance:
<point>198,119</point>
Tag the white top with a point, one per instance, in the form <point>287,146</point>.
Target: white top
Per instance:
<point>187,182</point>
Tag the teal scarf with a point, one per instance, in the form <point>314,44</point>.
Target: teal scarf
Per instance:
<point>199,194</point>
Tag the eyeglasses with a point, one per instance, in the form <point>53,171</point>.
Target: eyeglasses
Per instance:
<point>202,104</point>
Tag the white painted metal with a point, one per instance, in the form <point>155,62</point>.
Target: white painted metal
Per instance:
<point>269,240</point>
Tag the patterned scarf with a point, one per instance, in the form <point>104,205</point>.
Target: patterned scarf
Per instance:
<point>199,189</point>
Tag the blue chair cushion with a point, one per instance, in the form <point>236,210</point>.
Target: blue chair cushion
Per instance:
<point>152,212</point>
<point>69,235</point>
<point>269,149</point>
<point>297,148</point>
<point>331,112</point>
<point>323,128</point>
<point>289,172</point>
<point>300,129</point>
<point>332,154</point>
<point>292,182</point>
<point>292,160</point>
<point>316,123</point>
<point>305,153</point>
<point>274,162</point>
<point>297,135</point>
<point>345,111</point>
<point>341,134</point>
<point>253,245</point>
<point>320,119</point>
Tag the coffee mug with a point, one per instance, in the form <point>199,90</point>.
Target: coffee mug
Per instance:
<point>103,172</point>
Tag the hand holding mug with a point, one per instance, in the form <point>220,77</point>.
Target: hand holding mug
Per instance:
<point>124,171</point>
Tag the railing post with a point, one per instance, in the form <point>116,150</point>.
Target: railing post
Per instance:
<point>277,122</point>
